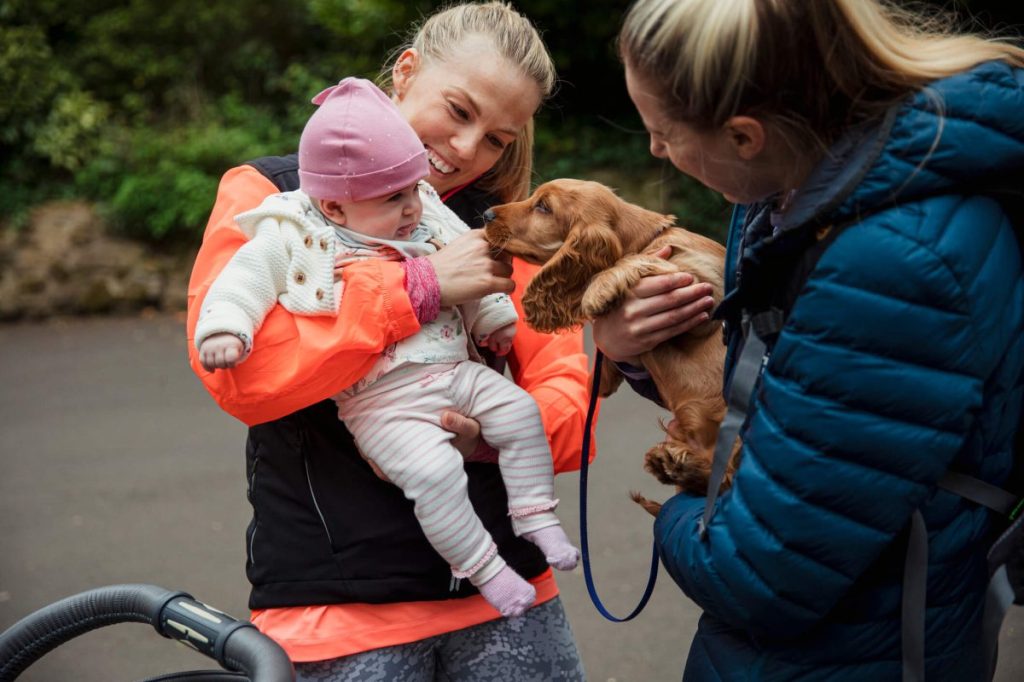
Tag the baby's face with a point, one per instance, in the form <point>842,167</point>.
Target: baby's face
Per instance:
<point>392,216</point>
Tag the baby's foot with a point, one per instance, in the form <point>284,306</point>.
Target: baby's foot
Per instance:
<point>557,548</point>
<point>508,592</point>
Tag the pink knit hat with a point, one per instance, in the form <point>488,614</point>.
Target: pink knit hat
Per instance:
<point>357,145</point>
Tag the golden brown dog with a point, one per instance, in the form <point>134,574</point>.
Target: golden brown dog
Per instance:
<point>594,247</point>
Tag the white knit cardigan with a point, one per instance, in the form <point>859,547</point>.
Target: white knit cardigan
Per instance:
<point>290,259</point>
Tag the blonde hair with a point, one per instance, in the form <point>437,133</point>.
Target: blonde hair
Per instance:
<point>513,38</point>
<point>811,67</point>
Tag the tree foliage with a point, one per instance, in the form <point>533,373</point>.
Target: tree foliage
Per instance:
<point>142,104</point>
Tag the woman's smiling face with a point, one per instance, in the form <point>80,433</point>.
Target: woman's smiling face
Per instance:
<point>466,110</point>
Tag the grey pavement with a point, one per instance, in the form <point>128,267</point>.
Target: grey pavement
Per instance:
<point>117,467</point>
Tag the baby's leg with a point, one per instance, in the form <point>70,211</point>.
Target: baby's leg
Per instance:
<point>399,431</point>
<point>510,421</point>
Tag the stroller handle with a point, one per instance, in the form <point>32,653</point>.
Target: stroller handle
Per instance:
<point>234,644</point>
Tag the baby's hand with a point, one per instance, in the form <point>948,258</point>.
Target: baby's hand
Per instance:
<point>220,351</point>
<point>500,340</point>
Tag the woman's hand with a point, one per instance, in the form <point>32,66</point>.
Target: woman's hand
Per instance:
<point>467,432</point>
<point>656,309</point>
<point>467,441</point>
<point>466,271</point>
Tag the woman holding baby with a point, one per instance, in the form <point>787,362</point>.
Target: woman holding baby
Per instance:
<point>342,575</point>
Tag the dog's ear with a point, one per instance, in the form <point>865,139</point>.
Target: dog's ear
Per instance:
<point>552,299</point>
<point>611,377</point>
<point>546,301</point>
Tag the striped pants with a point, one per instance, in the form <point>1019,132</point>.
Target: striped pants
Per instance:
<point>396,422</point>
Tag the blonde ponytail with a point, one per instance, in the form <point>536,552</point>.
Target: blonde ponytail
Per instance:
<point>811,66</point>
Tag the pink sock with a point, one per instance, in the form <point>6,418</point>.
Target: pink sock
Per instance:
<point>557,548</point>
<point>508,592</point>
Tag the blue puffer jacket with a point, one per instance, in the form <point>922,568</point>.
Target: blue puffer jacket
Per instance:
<point>903,356</point>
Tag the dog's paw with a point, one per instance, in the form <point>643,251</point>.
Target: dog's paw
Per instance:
<point>664,465</point>
<point>675,464</point>
<point>599,298</point>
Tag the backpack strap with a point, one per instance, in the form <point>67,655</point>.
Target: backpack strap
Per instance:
<point>759,328</point>
<point>1006,573</point>
<point>753,356</point>
<point>912,605</point>
<point>1005,557</point>
<point>980,492</point>
<point>1005,585</point>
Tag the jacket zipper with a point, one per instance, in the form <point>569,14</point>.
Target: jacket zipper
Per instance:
<point>256,520</point>
<point>316,505</point>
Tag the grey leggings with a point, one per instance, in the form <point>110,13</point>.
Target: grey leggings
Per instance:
<point>536,647</point>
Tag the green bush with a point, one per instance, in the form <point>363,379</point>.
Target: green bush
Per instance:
<point>159,183</point>
<point>142,105</point>
<point>618,155</point>
<point>71,133</point>
<point>29,78</point>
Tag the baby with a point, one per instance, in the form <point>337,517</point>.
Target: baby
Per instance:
<point>361,196</point>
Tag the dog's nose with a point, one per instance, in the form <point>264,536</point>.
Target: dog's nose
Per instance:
<point>489,215</point>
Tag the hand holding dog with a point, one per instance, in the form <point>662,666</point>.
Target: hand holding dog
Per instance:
<point>648,286</point>
<point>658,308</point>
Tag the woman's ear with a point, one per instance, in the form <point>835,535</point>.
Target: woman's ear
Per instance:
<point>405,69</point>
<point>746,135</point>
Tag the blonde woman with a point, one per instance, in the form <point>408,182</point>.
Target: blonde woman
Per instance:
<point>342,575</point>
<point>902,355</point>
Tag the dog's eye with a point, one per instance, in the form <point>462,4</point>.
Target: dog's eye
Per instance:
<point>541,207</point>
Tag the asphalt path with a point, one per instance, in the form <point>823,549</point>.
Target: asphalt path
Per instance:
<point>117,467</point>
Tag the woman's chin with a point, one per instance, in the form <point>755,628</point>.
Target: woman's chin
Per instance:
<point>442,182</point>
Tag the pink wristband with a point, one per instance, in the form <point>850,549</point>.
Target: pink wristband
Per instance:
<point>423,288</point>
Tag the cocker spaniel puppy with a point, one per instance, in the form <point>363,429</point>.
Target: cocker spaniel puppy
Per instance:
<point>594,247</point>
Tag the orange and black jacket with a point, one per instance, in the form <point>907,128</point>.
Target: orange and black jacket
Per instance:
<point>325,529</point>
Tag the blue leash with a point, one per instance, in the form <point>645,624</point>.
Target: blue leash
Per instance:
<point>584,545</point>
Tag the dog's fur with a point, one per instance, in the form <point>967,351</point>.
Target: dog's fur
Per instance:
<point>594,247</point>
